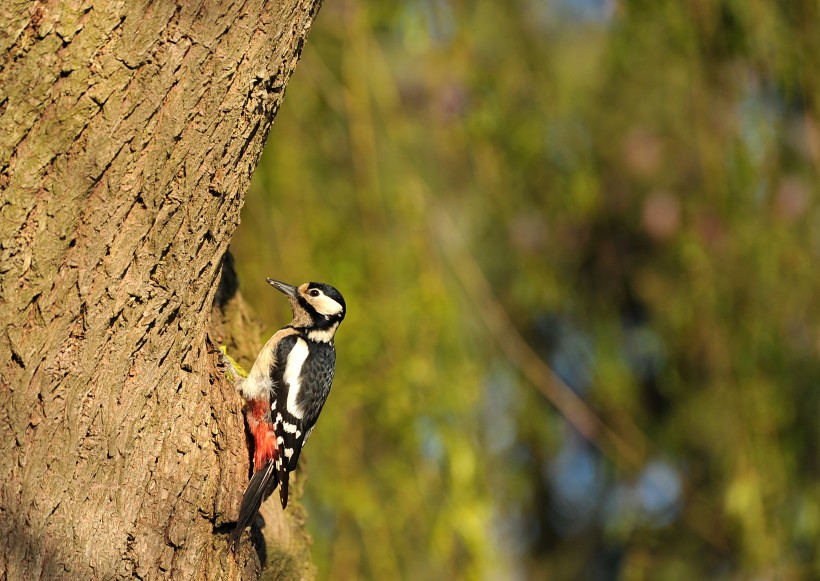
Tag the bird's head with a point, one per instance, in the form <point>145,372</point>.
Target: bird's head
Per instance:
<point>316,306</point>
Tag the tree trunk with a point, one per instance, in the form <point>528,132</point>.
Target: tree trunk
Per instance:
<point>130,131</point>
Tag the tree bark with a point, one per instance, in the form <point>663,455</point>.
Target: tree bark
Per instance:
<point>130,131</point>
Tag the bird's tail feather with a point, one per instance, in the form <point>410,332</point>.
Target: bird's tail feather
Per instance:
<point>259,484</point>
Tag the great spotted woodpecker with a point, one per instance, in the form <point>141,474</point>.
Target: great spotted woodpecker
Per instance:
<point>286,389</point>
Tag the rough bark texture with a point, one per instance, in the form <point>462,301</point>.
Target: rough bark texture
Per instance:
<point>129,134</point>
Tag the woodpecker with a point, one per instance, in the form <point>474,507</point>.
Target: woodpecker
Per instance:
<point>286,389</point>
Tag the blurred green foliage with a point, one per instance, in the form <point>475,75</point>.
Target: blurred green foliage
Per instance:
<point>637,182</point>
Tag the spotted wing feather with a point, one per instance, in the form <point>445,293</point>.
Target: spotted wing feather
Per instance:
<point>298,399</point>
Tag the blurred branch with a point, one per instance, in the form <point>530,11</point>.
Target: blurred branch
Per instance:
<point>519,352</point>
<point>583,418</point>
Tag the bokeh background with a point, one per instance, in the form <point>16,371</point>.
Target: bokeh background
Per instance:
<point>579,242</point>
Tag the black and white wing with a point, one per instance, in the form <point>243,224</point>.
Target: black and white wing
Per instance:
<point>300,388</point>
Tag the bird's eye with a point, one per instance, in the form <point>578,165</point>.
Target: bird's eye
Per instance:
<point>313,292</point>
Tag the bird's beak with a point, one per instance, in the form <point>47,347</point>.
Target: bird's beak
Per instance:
<point>287,289</point>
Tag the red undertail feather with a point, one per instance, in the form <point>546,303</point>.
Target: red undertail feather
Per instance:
<point>265,477</point>
<point>264,438</point>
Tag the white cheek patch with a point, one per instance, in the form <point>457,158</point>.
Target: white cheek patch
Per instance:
<point>325,305</point>
<point>293,371</point>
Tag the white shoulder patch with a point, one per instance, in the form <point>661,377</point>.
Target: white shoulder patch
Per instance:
<point>293,370</point>
<point>258,384</point>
